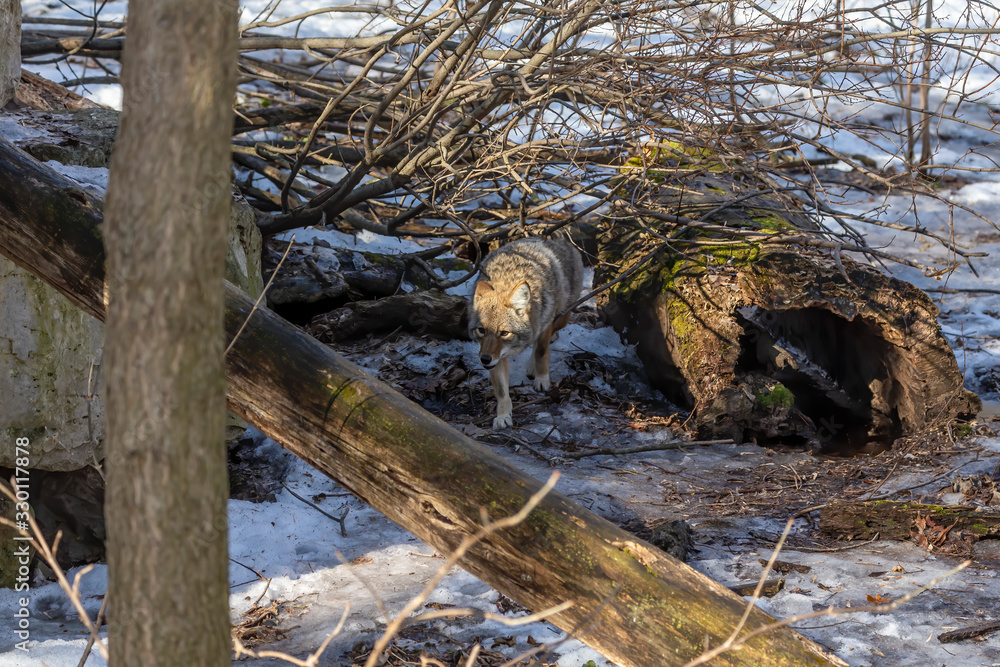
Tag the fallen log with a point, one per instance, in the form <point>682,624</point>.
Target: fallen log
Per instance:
<point>317,274</point>
<point>895,520</point>
<point>431,312</point>
<point>637,606</point>
<point>767,343</point>
<point>970,632</point>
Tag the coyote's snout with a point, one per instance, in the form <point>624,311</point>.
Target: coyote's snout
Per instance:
<point>523,287</point>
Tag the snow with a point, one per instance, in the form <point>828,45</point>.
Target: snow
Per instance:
<point>319,572</point>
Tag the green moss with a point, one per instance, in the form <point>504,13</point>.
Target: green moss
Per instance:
<point>738,254</point>
<point>37,434</point>
<point>61,335</point>
<point>769,221</point>
<point>778,397</point>
<point>673,154</point>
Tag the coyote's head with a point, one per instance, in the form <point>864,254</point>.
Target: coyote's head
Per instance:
<point>500,321</point>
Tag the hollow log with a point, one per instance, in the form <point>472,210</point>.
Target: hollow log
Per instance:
<point>895,520</point>
<point>765,343</point>
<point>639,606</point>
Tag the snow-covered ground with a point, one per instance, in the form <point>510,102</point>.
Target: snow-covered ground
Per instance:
<point>726,492</point>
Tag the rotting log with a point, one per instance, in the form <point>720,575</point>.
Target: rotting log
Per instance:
<point>631,602</point>
<point>767,343</point>
<point>896,520</point>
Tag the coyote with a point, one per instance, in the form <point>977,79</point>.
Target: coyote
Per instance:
<point>523,287</point>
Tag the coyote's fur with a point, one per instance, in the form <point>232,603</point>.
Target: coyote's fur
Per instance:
<point>522,289</point>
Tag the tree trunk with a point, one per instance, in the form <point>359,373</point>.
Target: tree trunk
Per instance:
<point>642,607</point>
<point>167,224</point>
<point>10,49</point>
<point>765,343</point>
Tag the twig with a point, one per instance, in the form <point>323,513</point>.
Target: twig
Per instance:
<point>971,632</point>
<point>962,290</point>
<point>943,475</point>
<point>341,519</point>
<point>261,297</point>
<point>90,638</point>
<point>48,555</point>
<point>467,543</point>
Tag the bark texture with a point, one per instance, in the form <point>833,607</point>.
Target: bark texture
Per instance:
<point>643,607</point>
<point>895,520</point>
<point>167,219</point>
<point>10,49</point>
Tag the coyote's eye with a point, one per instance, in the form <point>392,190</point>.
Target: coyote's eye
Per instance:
<point>481,331</point>
<point>505,334</point>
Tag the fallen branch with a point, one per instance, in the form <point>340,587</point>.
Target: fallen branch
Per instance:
<point>679,444</point>
<point>48,555</point>
<point>894,520</point>
<point>971,632</point>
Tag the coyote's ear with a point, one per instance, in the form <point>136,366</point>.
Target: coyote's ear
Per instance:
<point>520,298</point>
<point>482,288</point>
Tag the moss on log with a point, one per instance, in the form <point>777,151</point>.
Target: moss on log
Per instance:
<point>895,520</point>
<point>768,343</point>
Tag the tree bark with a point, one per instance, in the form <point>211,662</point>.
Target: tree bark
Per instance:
<point>10,49</point>
<point>167,221</point>
<point>639,606</point>
<point>895,520</point>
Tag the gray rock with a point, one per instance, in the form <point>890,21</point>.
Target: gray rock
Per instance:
<point>50,360</point>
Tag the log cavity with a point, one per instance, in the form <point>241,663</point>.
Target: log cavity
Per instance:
<point>837,373</point>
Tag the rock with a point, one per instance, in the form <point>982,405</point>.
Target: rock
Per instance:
<point>50,363</point>
<point>50,359</point>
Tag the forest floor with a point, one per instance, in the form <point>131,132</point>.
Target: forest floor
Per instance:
<point>296,571</point>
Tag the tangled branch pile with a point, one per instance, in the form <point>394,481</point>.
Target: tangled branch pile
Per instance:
<point>470,119</point>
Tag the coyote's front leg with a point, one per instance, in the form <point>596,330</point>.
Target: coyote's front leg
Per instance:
<point>500,378</point>
<point>538,366</point>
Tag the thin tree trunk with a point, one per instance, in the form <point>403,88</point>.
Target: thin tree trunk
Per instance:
<point>639,607</point>
<point>167,220</point>
<point>10,49</point>
<point>925,89</point>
